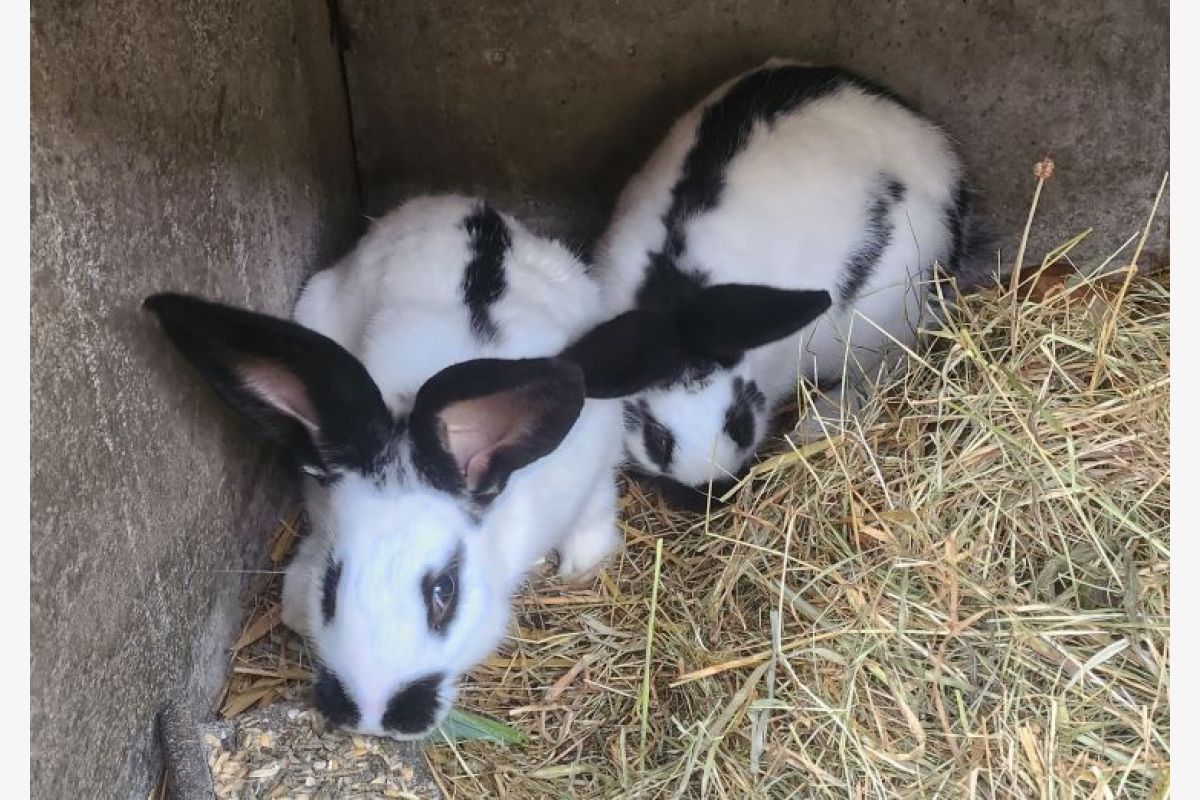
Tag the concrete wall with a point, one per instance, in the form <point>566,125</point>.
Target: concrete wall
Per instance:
<point>553,105</point>
<point>199,145</point>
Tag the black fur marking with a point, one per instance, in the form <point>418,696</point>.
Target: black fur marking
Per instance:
<point>551,390</point>
<point>665,286</point>
<point>413,709</point>
<point>876,237</point>
<point>632,414</point>
<point>658,439</point>
<point>699,373</point>
<point>955,215</point>
<point>724,130</point>
<point>332,700</point>
<point>726,125</point>
<point>971,256</point>
<point>739,417</point>
<point>448,576</point>
<point>329,589</point>
<point>391,465</point>
<point>695,499</point>
<point>252,360</point>
<point>484,280</point>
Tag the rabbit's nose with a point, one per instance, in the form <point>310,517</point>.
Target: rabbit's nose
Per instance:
<point>414,708</point>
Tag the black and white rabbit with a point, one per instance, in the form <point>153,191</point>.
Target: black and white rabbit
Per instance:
<point>797,211</point>
<point>448,445</point>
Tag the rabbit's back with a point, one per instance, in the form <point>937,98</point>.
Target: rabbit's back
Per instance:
<point>446,279</point>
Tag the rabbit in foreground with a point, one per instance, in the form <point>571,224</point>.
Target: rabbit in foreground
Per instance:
<point>448,446</point>
<point>797,211</point>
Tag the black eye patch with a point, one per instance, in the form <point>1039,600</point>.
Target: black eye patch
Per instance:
<point>329,587</point>
<point>658,439</point>
<point>739,417</point>
<point>440,591</point>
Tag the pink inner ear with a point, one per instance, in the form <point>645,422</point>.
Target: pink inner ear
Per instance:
<point>474,430</point>
<point>279,389</point>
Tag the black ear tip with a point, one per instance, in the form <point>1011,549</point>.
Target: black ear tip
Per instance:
<point>163,302</point>
<point>807,303</point>
<point>815,297</point>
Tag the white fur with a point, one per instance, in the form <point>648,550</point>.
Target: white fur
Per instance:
<point>792,210</point>
<point>396,304</point>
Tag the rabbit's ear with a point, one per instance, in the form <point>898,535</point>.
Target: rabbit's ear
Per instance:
<point>647,347</point>
<point>628,353</point>
<point>721,322</point>
<point>475,423</point>
<point>300,388</point>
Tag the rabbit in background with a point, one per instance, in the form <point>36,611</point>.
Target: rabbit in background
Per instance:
<point>784,230</point>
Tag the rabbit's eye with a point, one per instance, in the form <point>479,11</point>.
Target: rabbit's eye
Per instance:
<point>443,592</point>
<point>440,601</point>
<point>441,595</point>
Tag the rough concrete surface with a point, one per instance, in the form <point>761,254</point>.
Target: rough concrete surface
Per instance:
<point>186,772</point>
<point>552,106</point>
<point>193,145</point>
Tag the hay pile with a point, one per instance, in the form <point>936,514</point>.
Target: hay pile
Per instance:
<point>964,594</point>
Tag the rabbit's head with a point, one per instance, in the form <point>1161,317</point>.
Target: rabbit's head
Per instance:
<point>694,414</point>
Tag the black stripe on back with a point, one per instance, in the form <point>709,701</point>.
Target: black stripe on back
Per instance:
<point>725,128</point>
<point>484,281</point>
<point>876,237</point>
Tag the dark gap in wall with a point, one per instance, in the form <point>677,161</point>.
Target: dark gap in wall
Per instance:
<point>339,34</point>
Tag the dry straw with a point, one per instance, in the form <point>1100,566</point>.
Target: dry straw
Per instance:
<point>964,593</point>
